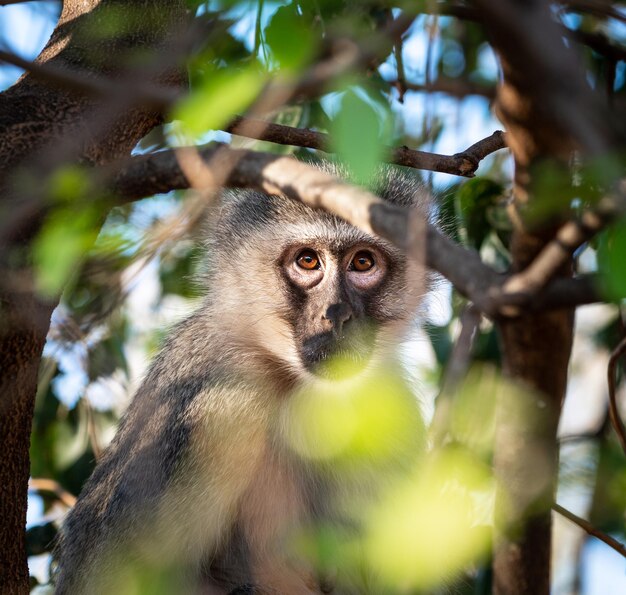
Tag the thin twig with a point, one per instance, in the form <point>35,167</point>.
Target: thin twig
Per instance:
<point>464,163</point>
<point>456,370</point>
<point>616,419</point>
<point>590,529</point>
<point>450,86</point>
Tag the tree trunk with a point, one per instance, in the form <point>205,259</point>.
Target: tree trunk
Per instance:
<point>536,353</point>
<point>548,110</point>
<point>41,127</point>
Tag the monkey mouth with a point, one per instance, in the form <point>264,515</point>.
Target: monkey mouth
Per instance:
<point>330,357</point>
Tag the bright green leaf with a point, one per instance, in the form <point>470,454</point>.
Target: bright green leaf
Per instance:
<point>224,94</point>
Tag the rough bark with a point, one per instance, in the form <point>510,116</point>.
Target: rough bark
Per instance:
<point>42,127</point>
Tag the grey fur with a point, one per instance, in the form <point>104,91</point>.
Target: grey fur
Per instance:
<point>197,477</point>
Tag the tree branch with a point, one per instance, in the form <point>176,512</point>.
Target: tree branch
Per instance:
<point>590,529</point>
<point>464,163</point>
<point>614,414</point>
<point>146,175</point>
<point>559,251</point>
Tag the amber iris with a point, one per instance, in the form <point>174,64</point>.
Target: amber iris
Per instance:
<point>307,259</point>
<point>362,261</point>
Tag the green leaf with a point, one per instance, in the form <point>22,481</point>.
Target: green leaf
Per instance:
<point>290,37</point>
<point>223,94</point>
<point>612,260</point>
<point>357,131</point>
<point>473,200</point>
<point>61,245</point>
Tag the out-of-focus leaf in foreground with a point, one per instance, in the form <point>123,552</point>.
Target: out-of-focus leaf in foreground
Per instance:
<point>358,136</point>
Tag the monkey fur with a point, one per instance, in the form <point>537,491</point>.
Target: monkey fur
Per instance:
<point>199,480</point>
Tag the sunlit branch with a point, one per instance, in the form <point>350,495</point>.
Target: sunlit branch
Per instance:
<point>464,163</point>
<point>614,414</point>
<point>559,251</point>
<point>145,175</point>
<point>591,530</point>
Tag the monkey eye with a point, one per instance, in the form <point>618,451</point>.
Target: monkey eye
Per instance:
<point>308,260</point>
<point>362,262</point>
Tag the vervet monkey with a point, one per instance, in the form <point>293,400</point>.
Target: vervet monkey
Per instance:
<point>202,478</point>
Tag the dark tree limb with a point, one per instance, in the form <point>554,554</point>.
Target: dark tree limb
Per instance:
<point>593,7</point>
<point>464,163</point>
<point>146,175</point>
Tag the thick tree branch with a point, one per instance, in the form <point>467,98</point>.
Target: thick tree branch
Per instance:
<point>41,123</point>
<point>145,175</point>
<point>464,163</point>
<point>598,9</point>
<point>596,41</point>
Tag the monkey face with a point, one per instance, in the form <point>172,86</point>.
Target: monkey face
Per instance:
<point>298,289</point>
<point>335,291</point>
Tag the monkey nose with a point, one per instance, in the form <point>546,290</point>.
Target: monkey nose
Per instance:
<point>338,314</point>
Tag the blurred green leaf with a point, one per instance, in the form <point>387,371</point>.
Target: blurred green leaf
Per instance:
<point>474,199</point>
<point>290,37</point>
<point>223,94</point>
<point>612,260</point>
<point>432,526</point>
<point>359,132</point>
<point>66,236</point>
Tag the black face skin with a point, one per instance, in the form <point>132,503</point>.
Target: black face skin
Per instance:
<point>334,292</point>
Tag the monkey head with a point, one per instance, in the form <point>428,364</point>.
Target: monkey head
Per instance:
<point>304,285</point>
